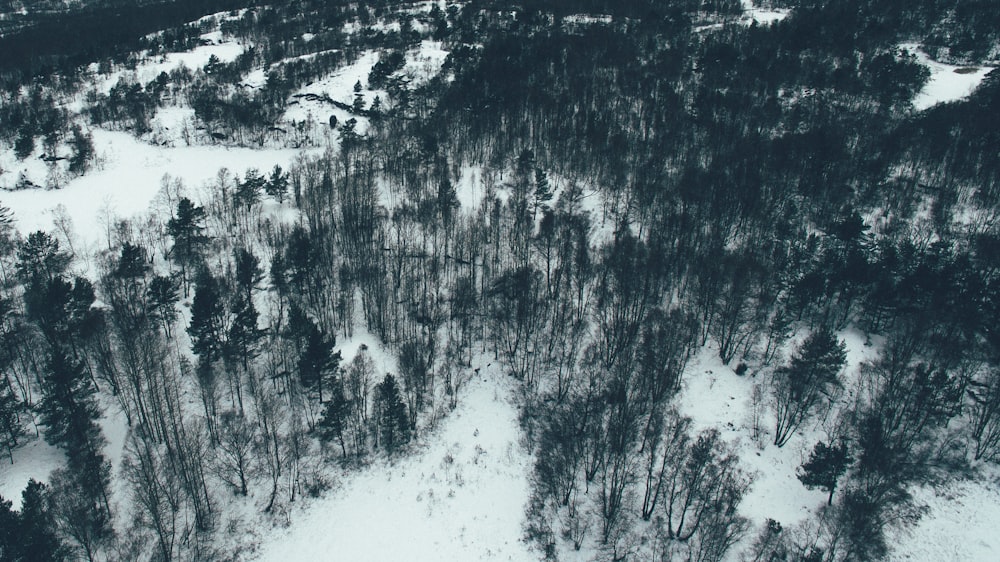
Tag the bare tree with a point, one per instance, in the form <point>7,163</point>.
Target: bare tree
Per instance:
<point>234,452</point>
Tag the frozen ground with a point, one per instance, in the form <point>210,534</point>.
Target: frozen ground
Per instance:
<point>128,179</point>
<point>713,396</point>
<point>460,496</point>
<point>223,50</point>
<point>307,104</point>
<point>35,459</point>
<point>960,525</point>
<point>947,82</point>
<point>762,15</point>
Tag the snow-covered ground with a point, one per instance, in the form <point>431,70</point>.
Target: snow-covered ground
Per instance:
<point>960,516</point>
<point>308,103</point>
<point>947,82</point>
<point>461,496</point>
<point>960,524</point>
<point>35,459</point>
<point>762,15</point>
<point>128,179</point>
<point>146,71</point>
<point>424,62</point>
<point>713,396</point>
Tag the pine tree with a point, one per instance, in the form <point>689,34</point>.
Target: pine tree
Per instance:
<point>543,191</point>
<point>277,184</point>
<point>809,377</point>
<point>826,464</point>
<point>187,230</point>
<point>317,361</point>
<point>244,336</point>
<point>38,540</point>
<point>10,536</point>
<point>393,421</point>
<point>248,191</point>
<point>69,409</point>
<point>39,259</point>
<point>11,428</point>
<point>163,297</point>
<point>332,424</point>
<point>83,151</point>
<point>206,328</point>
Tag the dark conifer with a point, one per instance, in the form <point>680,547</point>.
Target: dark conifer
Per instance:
<point>826,464</point>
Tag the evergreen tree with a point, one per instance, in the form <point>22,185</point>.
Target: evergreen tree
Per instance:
<point>318,362</point>
<point>163,298</point>
<point>332,424</point>
<point>248,191</point>
<point>393,421</point>
<point>39,259</point>
<point>809,377</point>
<point>826,464</point>
<point>206,329</point>
<point>244,336</point>
<point>187,230</point>
<point>543,191</point>
<point>10,537</point>
<point>38,540</point>
<point>69,408</point>
<point>277,184</point>
<point>11,427</point>
<point>83,151</point>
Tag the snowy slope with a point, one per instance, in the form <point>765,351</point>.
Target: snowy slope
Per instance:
<point>462,496</point>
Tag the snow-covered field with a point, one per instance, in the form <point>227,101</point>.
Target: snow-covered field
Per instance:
<point>460,496</point>
<point>947,82</point>
<point>127,180</point>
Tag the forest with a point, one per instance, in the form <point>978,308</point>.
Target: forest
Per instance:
<point>662,180</point>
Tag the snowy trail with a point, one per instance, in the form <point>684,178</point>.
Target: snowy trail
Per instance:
<point>462,497</point>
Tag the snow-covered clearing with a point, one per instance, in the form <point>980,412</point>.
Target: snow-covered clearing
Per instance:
<point>35,459</point>
<point>461,496</point>
<point>713,396</point>
<point>960,524</point>
<point>762,15</point>
<point>947,82</point>
<point>587,19</point>
<point>960,515</point>
<point>223,50</point>
<point>127,180</point>
<point>424,62</point>
<point>309,103</point>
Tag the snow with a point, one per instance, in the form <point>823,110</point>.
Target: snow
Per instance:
<point>462,496</point>
<point>338,86</point>
<point>424,62</point>
<point>762,15</point>
<point>587,19</point>
<point>947,82</point>
<point>713,396</point>
<point>35,459</point>
<point>960,524</point>
<point>225,51</point>
<point>128,179</point>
